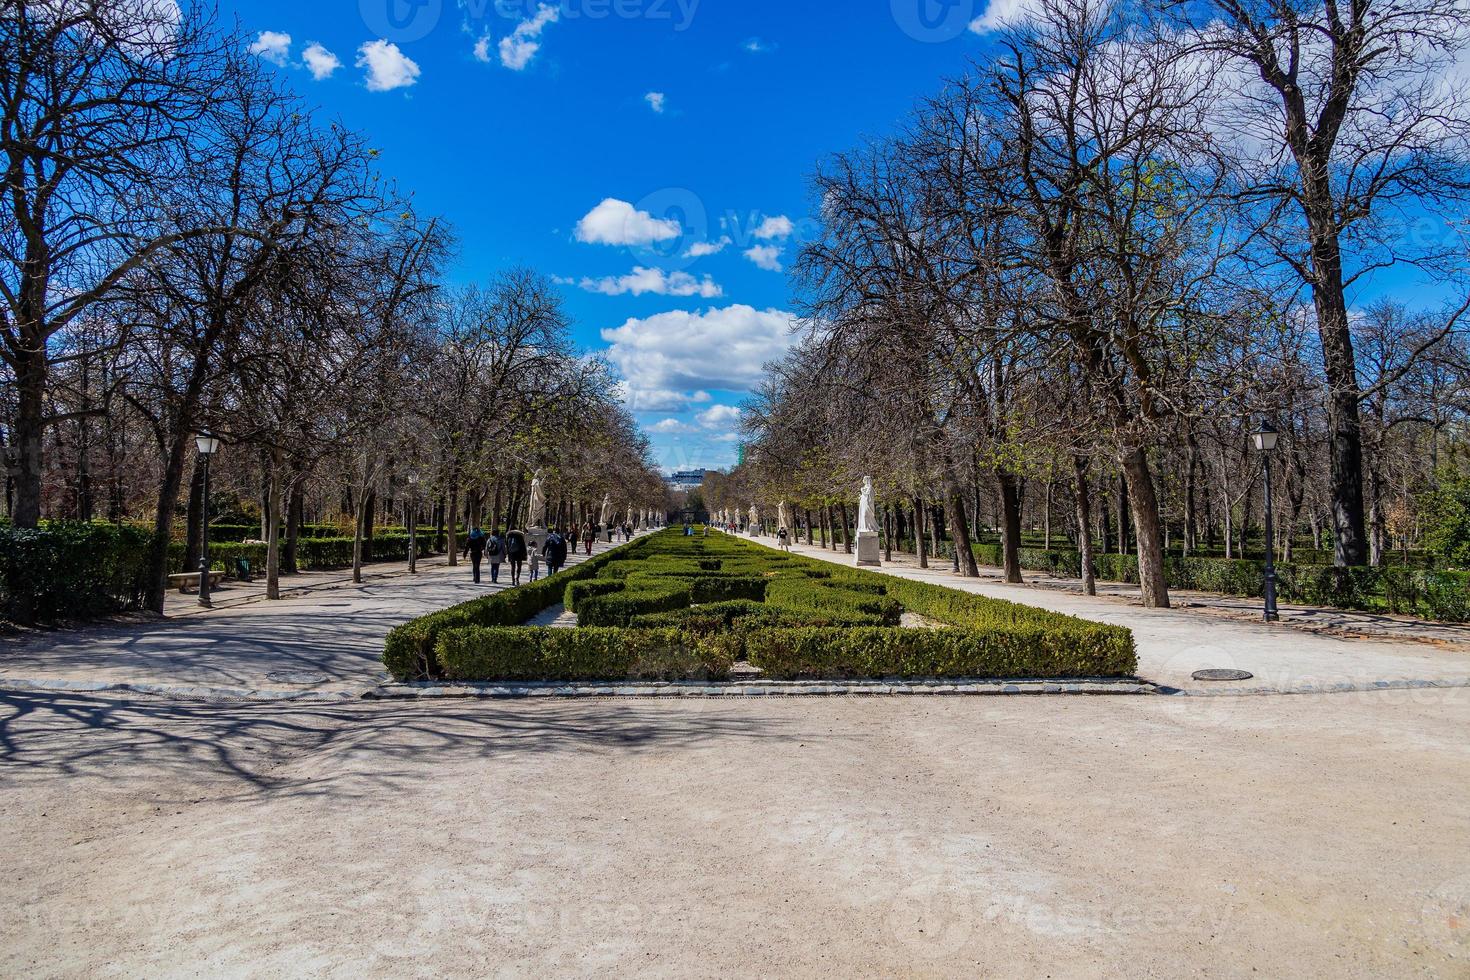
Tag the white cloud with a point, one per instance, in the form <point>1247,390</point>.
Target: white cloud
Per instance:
<point>700,249</point>
<point>671,427</point>
<point>1000,14</point>
<point>777,227</point>
<point>482,49</point>
<point>520,45</point>
<point>766,257</point>
<point>615,222</point>
<point>319,61</point>
<point>719,349</point>
<point>655,101</point>
<point>755,45</point>
<point>387,67</point>
<point>273,46</point>
<point>718,417</point>
<point>643,280</point>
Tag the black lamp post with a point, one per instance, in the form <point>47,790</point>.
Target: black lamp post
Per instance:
<point>413,523</point>
<point>1265,438</point>
<point>208,445</point>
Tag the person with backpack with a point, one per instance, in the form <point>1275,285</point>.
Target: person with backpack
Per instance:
<point>495,551</point>
<point>589,534</point>
<point>556,552</point>
<point>474,546</point>
<point>515,553</point>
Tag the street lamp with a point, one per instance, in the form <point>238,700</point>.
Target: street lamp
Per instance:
<point>207,444</point>
<point>413,523</point>
<point>1265,439</point>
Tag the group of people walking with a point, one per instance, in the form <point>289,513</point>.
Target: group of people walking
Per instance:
<point>513,548</point>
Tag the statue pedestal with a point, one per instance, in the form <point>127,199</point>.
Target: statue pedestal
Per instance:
<point>867,548</point>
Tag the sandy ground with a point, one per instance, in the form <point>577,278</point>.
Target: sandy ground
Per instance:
<point>1313,835</point>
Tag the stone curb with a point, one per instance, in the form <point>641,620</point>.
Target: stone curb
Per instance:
<point>1345,687</point>
<point>748,689</point>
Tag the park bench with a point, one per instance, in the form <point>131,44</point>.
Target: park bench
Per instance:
<point>189,581</point>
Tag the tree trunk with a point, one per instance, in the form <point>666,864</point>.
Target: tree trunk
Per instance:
<point>919,544</point>
<point>1145,506</point>
<point>960,528</point>
<point>1083,504</point>
<point>846,528</point>
<point>194,521</point>
<point>295,517</point>
<point>28,436</point>
<point>1010,526</point>
<point>273,536</point>
<point>452,515</point>
<point>887,534</point>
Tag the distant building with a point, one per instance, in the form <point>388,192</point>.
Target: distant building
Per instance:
<point>687,479</point>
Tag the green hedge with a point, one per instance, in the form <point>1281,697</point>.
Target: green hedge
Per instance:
<point>1017,651</point>
<point>1438,595</point>
<point>408,651</point>
<point>582,654</point>
<point>312,554</point>
<point>65,571</point>
<point>689,607</point>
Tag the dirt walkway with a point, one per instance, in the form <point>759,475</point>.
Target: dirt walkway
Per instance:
<point>1018,837</point>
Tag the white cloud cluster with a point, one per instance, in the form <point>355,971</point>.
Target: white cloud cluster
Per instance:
<point>766,257</point>
<point>721,349</point>
<point>387,67</point>
<point>656,101</point>
<point>615,222</point>
<point>719,421</point>
<point>1000,14</point>
<point>700,249</point>
<point>319,61</point>
<point>656,281</point>
<point>272,46</point>
<point>519,46</point>
<point>778,227</point>
<point>275,47</point>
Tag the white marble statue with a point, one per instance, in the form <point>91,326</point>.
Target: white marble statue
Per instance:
<point>538,501</point>
<point>606,509</point>
<point>781,516</point>
<point>867,519</point>
<point>755,517</point>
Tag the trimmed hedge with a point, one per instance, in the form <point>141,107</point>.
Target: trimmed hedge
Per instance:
<point>667,606</point>
<point>872,653</point>
<point>1437,595</point>
<point>582,654</point>
<point>312,554</point>
<point>71,570</point>
<point>409,650</point>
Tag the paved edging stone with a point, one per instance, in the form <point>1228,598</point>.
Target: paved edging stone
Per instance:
<point>746,689</point>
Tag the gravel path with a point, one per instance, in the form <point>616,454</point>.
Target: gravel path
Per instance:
<point>1017,837</point>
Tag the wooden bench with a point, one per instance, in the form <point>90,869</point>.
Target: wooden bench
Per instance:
<point>189,581</point>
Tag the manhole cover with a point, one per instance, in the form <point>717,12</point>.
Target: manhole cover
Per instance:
<point>293,677</point>
<point>1222,674</point>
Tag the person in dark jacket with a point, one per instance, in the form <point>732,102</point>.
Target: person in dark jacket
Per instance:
<point>515,553</point>
<point>555,550</point>
<point>474,546</point>
<point>589,534</point>
<point>495,551</point>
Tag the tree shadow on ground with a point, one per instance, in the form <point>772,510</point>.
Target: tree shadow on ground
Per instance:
<point>343,751</point>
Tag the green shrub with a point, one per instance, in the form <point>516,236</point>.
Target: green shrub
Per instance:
<point>618,608</point>
<point>582,654</point>
<point>408,650</point>
<point>1019,651</point>
<point>72,570</point>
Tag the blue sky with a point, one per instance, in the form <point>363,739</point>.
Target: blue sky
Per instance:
<point>601,144</point>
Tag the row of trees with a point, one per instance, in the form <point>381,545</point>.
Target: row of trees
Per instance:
<point>187,247</point>
<point>1099,259</point>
